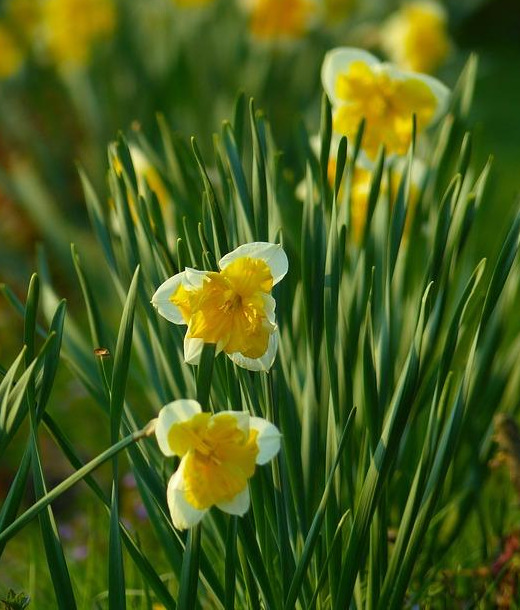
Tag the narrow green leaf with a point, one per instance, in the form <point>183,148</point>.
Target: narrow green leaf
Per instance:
<point>312,536</point>
<point>373,195</point>
<point>122,358</point>
<point>97,219</point>
<point>31,311</point>
<point>332,549</point>
<point>214,206</point>
<point>230,567</point>
<point>502,268</point>
<point>53,550</point>
<point>259,183</point>
<point>239,180</point>
<point>255,560</point>
<point>116,571</point>
<point>32,512</point>
<point>190,570</point>
<point>52,358</point>
<point>380,464</point>
<point>141,562</point>
<point>205,373</point>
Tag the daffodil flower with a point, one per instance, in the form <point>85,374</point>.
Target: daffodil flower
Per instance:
<point>71,28</point>
<point>232,308</point>
<point>361,182</point>
<point>276,20</point>
<point>360,86</point>
<point>416,36</point>
<point>219,454</point>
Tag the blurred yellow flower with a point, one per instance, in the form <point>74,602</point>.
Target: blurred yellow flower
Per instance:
<point>146,174</point>
<point>232,308</point>
<point>71,27</point>
<point>219,453</point>
<point>280,19</point>
<point>360,190</point>
<point>11,55</point>
<point>416,36</point>
<point>192,3</point>
<point>360,86</point>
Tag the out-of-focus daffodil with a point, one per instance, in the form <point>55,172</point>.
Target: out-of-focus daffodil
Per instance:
<point>219,453</point>
<point>273,20</point>
<point>360,190</point>
<point>360,184</point>
<point>360,86</point>
<point>232,308</point>
<point>416,36</point>
<point>146,174</point>
<point>71,27</point>
<point>11,54</point>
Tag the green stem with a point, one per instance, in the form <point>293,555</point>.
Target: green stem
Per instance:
<point>190,562</point>
<point>204,374</point>
<point>190,570</point>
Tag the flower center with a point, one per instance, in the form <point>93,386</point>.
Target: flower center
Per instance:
<point>387,105</point>
<point>230,307</point>
<point>219,457</point>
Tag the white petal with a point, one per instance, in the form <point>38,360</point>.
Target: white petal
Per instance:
<point>192,349</point>
<point>161,298</point>
<point>268,439</point>
<point>239,505</point>
<point>272,254</point>
<point>242,418</point>
<point>264,363</point>
<point>337,62</point>
<point>194,277</point>
<point>182,512</point>
<point>173,413</point>
<point>269,307</point>
<point>439,90</point>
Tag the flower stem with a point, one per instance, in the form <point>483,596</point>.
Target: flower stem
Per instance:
<point>204,375</point>
<point>65,485</point>
<point>190,570</point>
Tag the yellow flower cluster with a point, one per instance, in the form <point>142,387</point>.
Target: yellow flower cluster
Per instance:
<point>71,27</point>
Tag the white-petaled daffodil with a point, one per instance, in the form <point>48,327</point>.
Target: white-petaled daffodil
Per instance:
<point>219,453</point>
<point>359,86</point>
<point>232,308</point>
<point>416,36</point>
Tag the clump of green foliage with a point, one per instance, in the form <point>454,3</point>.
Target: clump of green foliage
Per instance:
<point>395,353</point>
